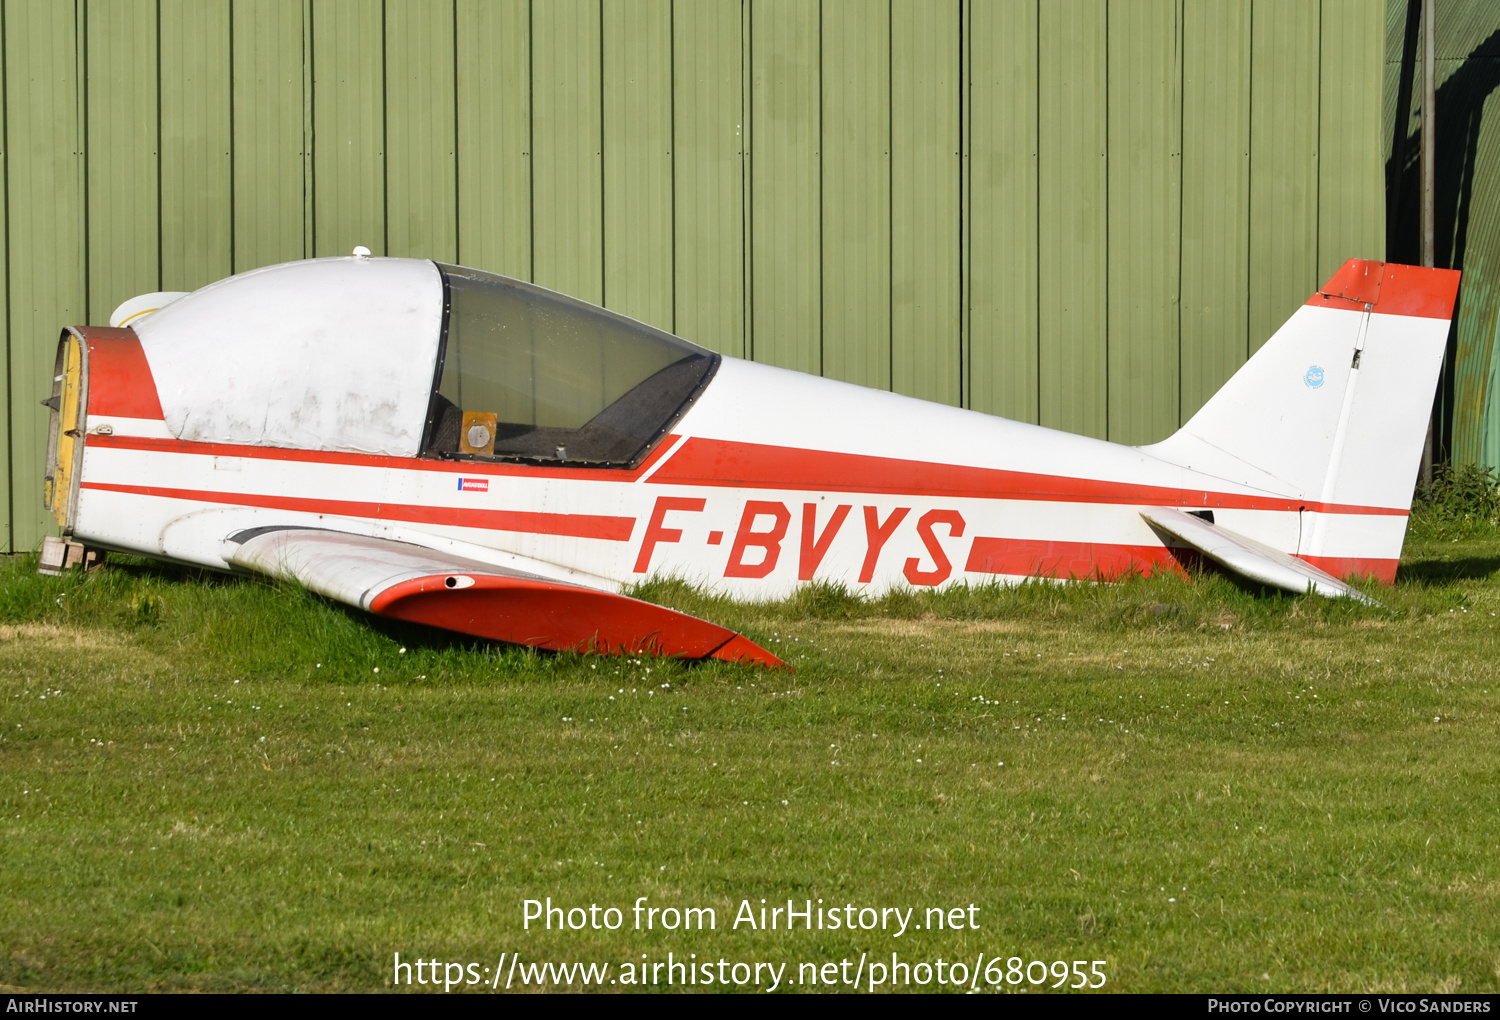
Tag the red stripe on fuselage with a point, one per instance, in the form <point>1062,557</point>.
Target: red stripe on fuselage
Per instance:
<point>376,460</point>
<point>610,529</point>
<point>1383,571</point>
<point>1087,561</point>
<point>1084,561</point>
<point>721,463</point>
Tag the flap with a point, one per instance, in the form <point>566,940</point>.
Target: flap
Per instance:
<point>409,582</point>
<point>1247,557</point>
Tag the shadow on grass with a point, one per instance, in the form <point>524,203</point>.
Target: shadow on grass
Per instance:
<point>1436,571</point>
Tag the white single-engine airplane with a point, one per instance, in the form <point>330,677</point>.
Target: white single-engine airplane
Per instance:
<point>460,449</point>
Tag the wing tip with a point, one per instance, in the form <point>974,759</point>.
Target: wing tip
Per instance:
<point>740,649</point>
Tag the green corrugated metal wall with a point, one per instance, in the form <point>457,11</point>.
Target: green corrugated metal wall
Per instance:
<point>1467,72</point>
<point>1079,212</point>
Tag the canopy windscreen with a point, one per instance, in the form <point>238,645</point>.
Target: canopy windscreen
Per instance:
<point>564,380</point>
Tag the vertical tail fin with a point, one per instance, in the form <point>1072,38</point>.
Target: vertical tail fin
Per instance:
<point>1334,408</point>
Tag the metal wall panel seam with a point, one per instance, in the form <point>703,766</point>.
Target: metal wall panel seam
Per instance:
<point>233,220</point>
<point>1037,201</point>
<point>747,211</point>
<point>81,130</point>
<point>81,147</point>
<point>5,320</point>
<point>1318,134</point>
<point>963,210</point>
<point>531,136</point>
<point>458,140</point>
<point>965,88</point>
<point>1106,219</point>
<point>603,170</point>
<point>385,134</point>
<point>1250,171</point>
<point>672,160</point>
<point>160,152</point>
<point>1179,55</point>
<point>310,130</point>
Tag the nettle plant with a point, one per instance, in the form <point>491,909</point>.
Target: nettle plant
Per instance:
<point>1460,498</point>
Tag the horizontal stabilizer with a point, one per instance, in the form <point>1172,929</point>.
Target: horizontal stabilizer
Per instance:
<point>1247,557</point>
<point>420,585</point>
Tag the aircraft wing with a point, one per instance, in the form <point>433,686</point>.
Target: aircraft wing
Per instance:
<point>420,585</point>
<point>1247,557</point>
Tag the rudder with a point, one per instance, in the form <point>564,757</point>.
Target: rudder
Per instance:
<point>1333,409</point>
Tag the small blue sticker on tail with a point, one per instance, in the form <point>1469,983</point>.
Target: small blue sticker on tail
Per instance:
<point>1314,377</point>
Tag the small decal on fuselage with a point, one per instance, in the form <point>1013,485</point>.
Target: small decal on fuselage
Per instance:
<point>473,485</point>
<point>1314,376</point>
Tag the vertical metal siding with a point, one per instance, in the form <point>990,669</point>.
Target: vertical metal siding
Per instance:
<point>1349,91</point>
<point>856,242</point>
<point>45,201</point>
<point>271,137</point>
<point>785,184</point>
<point>708,178</point>
<point>421,167</point>
<point>1145,205</point>
<point>925,222</point>
<point>638,159</point>
<point>1214,252</point>
<point>1072,206</point>
<point>1000,138</point>
<point>1284,126</point>
<point>1467,74</point>
<point>196,185</point>
<point>348,82</point>
<point>1080,212</point>
<point>567,194</point>
<point>493,90</point>
<point>121,72</point>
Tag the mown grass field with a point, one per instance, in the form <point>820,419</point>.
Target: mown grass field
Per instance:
<point>218,784</point>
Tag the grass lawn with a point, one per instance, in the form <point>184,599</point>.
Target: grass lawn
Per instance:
<point>210,783</point>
